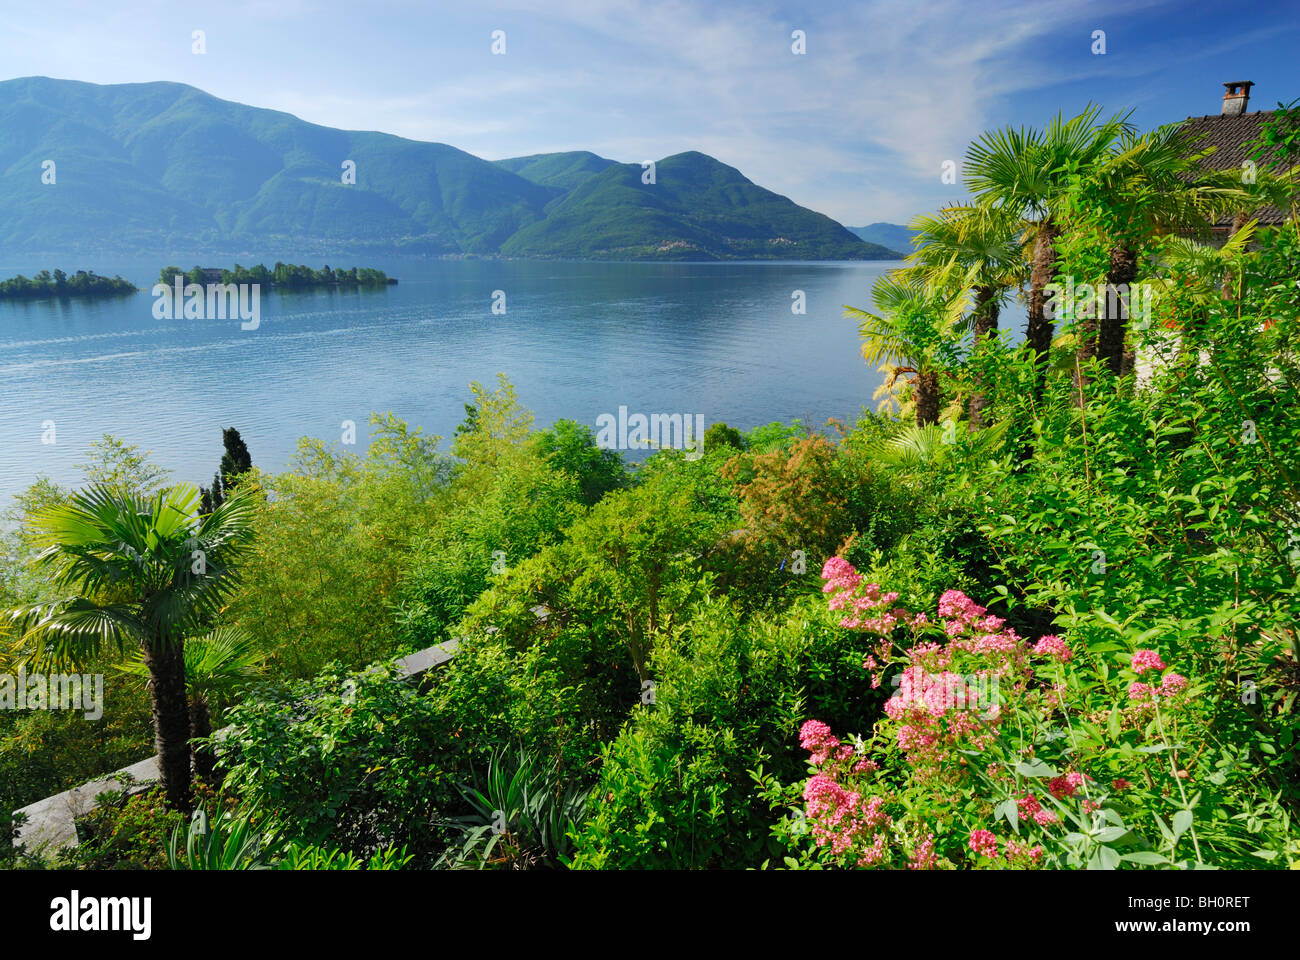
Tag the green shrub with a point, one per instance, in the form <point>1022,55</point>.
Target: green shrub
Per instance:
<point>675,789</point>
<point>357,761</point>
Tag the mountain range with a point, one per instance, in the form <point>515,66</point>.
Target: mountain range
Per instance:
<point>890,235</point>
<point>148,167</point>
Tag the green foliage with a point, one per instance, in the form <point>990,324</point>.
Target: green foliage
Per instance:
<point>674,791</point>
<point>354,761</point>
<point>523,815</point>
<point>124,564</point>
<point>526,506</point>
<point>227,841</point>
<point>80,284</point>
<point>719,434</point>
<point>1278,146</point>
<point>285,275</point>
<point>334,537</point>
<point>124,832</point>
<point>296,856</point>
<point>571,447</point>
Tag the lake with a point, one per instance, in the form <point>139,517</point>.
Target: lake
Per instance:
<point>577,339</point>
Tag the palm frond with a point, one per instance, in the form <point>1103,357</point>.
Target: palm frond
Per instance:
<point>214,662</point>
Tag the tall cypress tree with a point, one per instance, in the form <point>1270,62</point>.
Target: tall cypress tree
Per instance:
<point>234,461</point>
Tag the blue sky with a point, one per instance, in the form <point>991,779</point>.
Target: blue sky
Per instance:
<point>858,127</point>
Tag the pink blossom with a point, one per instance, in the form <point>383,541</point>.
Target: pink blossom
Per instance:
<point>1140,692</point>
<point>1018,852</point>
<point>1119,783</point>
<point>1066,786</point>
<point>816,737</point>
<point>1173,684</point>
<point>923,856</point>
<point>839,575</point>
<point>1053,646</point>
<point>984,843</point>
<point>1144,660</point>
<point>954,603</point>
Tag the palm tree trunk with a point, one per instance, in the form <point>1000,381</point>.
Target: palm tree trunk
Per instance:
<point>1114,322</point>
<point>171,720</point>
<point>927,397</point>
<point>1038,334</point>
<point>205,761</point>
<point>986,321</point>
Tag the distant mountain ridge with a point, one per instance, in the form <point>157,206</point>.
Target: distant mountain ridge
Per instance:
<point>152,166</point>
<point>891,235</point>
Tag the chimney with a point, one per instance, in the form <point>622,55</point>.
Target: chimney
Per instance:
<point>1238,95</point>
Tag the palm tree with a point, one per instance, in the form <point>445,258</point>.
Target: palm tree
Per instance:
<point>1211,269</point>
<point>914,448</point>
<point>918,329</point>
<point>1028,174</point>
<point>1244,197</point>
<point>140,570</point>
<point>215,664</point>
<point>983,241</point>
<point>1148,185</point>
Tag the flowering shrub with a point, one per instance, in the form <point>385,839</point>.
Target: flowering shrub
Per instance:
<point>996,750</point>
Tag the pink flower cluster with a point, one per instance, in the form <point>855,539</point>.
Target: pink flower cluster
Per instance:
<point>1146,660</point>
<point>938,708</point>
<point>985,843</point>
<point>868,610</point>
<point>1021,854</point>
<point>816,737</point>
<point>1066,786</point>
<point>1053,646</point>
<point>1146,694</point>
<point>1032,809</point>
<point>840,819</point>
<point>923,855</point>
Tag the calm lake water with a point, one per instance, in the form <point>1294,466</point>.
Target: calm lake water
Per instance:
<point>577,340</point>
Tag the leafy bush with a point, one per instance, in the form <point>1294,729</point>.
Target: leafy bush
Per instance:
<point>675,789</point>
<point>356,761</point>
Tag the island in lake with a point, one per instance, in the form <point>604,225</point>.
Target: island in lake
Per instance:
<point>286,275</point>
<point>83,283</point>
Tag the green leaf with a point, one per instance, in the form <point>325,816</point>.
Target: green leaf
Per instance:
<point>1007,810</point>
<point>1182,822</point>
<point>1148,857</point>
<point>1035,768</point>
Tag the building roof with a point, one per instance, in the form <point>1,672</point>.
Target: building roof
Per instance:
<point>1231,136</point>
